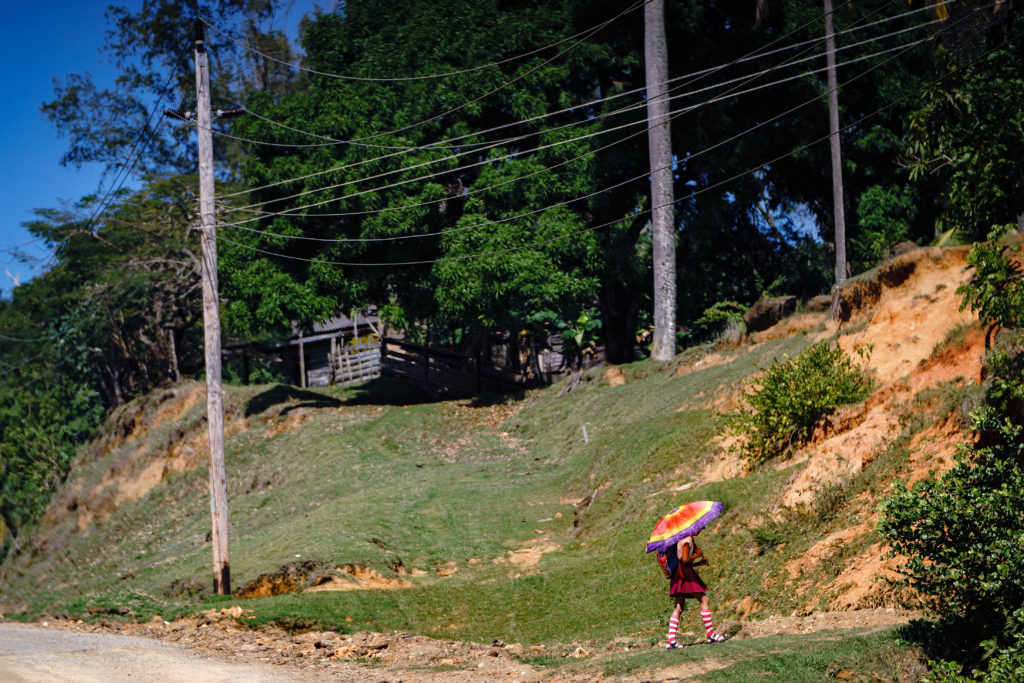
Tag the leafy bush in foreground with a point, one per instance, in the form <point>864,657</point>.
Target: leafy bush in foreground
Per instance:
<point>963,534</point>
<point>792,395</point>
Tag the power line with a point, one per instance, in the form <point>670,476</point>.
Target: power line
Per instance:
<point>486,145</point>
<point>446,259</point>
<point>593,228</point>
<point>331,141</point>
<point>292,211</point>
<point>37,339</point>
<point>755,54</point>
<point>116,185</point>
<point>569,201</point>
<point>384,79</point>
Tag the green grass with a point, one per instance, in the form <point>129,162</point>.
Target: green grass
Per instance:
<point>387,477</point>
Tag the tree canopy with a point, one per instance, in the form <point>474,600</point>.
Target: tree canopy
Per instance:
<point>468,167</point>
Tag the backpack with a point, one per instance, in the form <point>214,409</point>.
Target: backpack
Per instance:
<point>668,561</point>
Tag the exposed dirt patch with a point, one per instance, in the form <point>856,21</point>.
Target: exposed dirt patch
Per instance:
<point>840,457</point>
<point>906,322</point>
<point>814,622</point>
<point>932,450</point>
<point>865,582</point>
<point>529,556</point>
<point>291,422</point>
<point>290,578</point>
<point>690,669</point>
<point>140,471</point>
<point>708,361</point>
<point>794,324</point>
<point>615,377</point>
<point>823,548</point>
<point>357,577</point>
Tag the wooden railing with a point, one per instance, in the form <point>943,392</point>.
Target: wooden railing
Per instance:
<point>351,363</point>
<point>437,367</point>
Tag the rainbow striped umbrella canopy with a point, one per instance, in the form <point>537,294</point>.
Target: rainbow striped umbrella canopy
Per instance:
<point>685,520</point>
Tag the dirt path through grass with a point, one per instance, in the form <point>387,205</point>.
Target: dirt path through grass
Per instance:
<point>319,655</point>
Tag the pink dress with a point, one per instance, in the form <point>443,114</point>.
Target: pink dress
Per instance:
<point>686,580</point>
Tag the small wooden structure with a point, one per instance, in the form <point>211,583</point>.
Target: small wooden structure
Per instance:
<point>338,351</point>
<point>335,352</point>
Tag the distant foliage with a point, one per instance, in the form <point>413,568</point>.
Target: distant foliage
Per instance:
<point>722,318</point>
<point>792,395</point>
<point>885,216</point>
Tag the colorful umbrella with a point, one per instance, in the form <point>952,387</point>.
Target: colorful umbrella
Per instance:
<point>685,520</point>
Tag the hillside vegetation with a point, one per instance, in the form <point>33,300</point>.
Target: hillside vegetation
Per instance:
<point>523,519</point>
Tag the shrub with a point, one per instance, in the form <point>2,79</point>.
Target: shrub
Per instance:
<point>963,534</point>
<point>792,395</point>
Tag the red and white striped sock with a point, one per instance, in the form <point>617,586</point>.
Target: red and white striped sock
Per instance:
<point>705,616</point>
<point>673,626</point>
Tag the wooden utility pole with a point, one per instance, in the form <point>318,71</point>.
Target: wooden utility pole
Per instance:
<point>659,145</point>
<point>837,154</point>
<point>211,324</point>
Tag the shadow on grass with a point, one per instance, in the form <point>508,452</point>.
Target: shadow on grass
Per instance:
<point>954,639</point>
<point>393,391</point>
<point>296,397</point>
<point>383,391</point>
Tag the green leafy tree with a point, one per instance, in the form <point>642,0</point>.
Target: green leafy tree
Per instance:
<point>151,49</point>
<point>969,132</point>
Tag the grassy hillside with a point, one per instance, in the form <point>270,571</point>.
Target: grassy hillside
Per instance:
<point>520,519</point>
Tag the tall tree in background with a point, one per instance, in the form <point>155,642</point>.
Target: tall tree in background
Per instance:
<point>659,144</point>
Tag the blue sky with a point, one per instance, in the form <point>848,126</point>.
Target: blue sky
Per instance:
<point>47,39</point>
<point>51,39</point>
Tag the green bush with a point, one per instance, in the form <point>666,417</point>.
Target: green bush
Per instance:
<point>963,534</point>
<point>783,405</point>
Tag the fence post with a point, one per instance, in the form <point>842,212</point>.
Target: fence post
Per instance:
<point>426,364</point>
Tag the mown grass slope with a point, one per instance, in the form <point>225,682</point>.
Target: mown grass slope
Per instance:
<point>522,519</point>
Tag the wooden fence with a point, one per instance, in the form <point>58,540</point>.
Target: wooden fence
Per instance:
<point>351,363</point>
<point>437,367</point>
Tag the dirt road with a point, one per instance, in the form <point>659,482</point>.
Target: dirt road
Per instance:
<point>34,653</point>
<point>214,646</point>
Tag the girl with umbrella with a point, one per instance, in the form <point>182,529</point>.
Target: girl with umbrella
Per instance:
<point>673,538</point>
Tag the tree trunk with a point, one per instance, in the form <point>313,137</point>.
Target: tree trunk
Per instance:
<point>659,145</point>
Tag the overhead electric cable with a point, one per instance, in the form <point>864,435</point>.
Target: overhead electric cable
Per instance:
<point>293,210</point>
<point>485,145</point>
<point>647,211</point>
<point>115,186</point>
<point>750,55</point>
<point>499,252</point>
<point>36,339</point>
<point>392,79</point>
<point>331,141</point>
<point>570,201</point>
